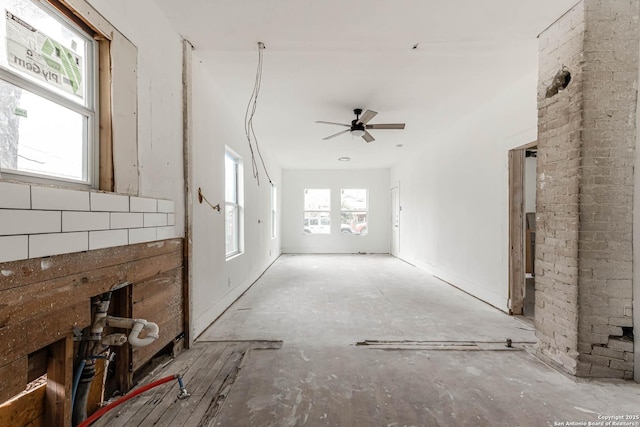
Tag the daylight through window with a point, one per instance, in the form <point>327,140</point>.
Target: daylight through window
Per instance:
<point>47,95</point>
<point>317,211</point>
<point>233,205</point>
<point>353,211</point>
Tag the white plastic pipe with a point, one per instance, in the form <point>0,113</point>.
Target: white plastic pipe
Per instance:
<point>136,326</point>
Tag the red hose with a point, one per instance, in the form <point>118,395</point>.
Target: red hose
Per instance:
<point>124,398</point>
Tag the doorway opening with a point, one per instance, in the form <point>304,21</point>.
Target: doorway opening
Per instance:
<point>522,230</point>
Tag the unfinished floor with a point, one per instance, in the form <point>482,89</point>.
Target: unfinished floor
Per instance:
<point>434,356</point>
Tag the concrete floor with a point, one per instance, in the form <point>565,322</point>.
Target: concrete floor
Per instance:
<point>321,305</point>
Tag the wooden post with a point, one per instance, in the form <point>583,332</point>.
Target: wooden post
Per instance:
<point>516,231</point>
<point>59,381</point>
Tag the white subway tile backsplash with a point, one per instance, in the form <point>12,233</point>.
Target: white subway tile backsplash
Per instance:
<point>48,198</point>
<point>108,239</point>
<point>38,221</point>
<point>60,243</point>
<point>142,204</point>
<point>108,202</point>
<point>126,220</point>
<point>167,206</point>
<point>15,196</point>
<point>155,219</point>
<point>13,248</point>
<point>140,235</point>
<point>166,233</point>
<point>85,221</point>
<point>14,222</point>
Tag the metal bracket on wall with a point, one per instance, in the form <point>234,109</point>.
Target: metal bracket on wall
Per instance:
<point>202,198</point>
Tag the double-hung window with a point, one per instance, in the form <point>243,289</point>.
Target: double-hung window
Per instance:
<point>233,204</point>
<point>317,211</point>
<point>353,211</point>
<point>48,96</point>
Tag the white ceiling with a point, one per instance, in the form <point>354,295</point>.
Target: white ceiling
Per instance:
<point>324,58</point>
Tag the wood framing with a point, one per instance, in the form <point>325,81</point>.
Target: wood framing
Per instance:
<point>43,299</point>
<point>187,49</point>
<point>104,114</point>
<point>516,231</point>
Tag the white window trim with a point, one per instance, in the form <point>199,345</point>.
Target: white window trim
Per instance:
<point>238,204</point>
<point>91,138</point>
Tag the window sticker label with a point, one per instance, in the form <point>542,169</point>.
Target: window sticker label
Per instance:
<point>33,52</point>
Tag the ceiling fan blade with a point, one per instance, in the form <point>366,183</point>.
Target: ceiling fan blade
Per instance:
<point>367,116</point>
<point>333,123</point>
<point>386,126</point>
<point>367,137</point>
<point>336,134</point>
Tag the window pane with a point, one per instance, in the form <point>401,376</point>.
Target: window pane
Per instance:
<point>317,223</point>
<point>353,223</point>
<point>40,136</point>
<point>44,50</point>
<point>317,200</point>
<point>354,200</point>
<point>231,234</point>
<point>230,179</point>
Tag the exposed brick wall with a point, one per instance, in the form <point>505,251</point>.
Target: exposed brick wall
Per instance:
<point>557,204</point>
<point>587,137</point>
<point>610,74</point>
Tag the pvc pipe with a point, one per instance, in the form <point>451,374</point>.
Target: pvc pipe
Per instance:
<point>124,398</point>
<point>114,339</point>
<point>136,326</point>
<point>152,335</point>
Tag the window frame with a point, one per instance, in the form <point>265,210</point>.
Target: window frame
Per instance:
<point>90,109</point>
<point>364,211</point>
<point>235,204</point>
<point>318,211</point>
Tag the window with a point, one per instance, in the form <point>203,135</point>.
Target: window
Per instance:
<point>233,205</point>
<point>48,96</point>
<point>274,210</point>
<point>353,211</point>
<point>317,211</point>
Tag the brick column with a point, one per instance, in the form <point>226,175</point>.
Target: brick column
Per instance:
<point>586,155</point>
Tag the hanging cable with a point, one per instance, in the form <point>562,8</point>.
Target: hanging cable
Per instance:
<point>248,120</point>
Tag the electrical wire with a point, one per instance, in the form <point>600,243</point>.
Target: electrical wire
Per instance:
<point>248,120</point>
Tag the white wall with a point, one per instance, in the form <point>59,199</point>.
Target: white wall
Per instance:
<point>216,283</point>
<point>159,98</point>
<point>376,181</point>
<point>454,196</point>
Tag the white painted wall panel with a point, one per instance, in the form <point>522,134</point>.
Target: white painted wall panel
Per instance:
<point>454,195</point>
<point>216,283</point>
<point>376,181</point>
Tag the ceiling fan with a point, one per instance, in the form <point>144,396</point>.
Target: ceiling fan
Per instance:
<point>359,126</point>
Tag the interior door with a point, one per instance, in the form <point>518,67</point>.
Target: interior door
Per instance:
<point>395,221</point>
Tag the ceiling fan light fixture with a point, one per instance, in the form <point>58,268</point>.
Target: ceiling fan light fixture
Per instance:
<point>357,133</point>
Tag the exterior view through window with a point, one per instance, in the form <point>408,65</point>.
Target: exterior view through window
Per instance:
<point>317,211</point>
<point>353,211</point>
<point>232,219</point>
<point>47,95</point>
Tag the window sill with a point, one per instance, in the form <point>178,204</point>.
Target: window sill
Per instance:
<point>234,256</point>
